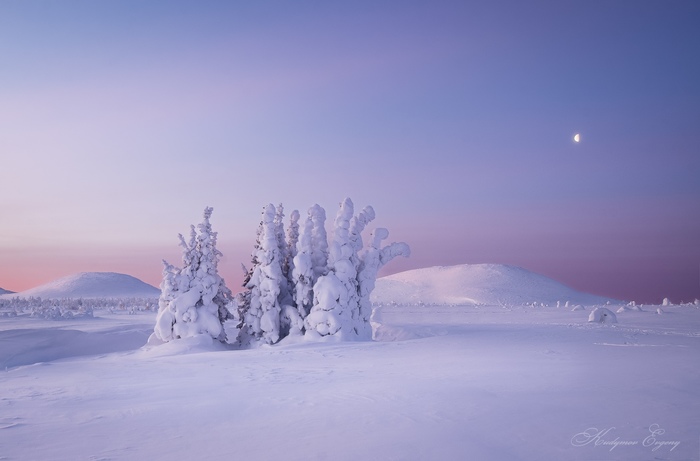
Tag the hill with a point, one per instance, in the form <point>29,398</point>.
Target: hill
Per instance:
<point>5,292</point>
<point>92,285</point>
<point>485,284</point>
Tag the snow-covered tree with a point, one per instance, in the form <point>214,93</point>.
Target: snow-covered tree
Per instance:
<point>335,304</point>
<point>357,225</point>
<point>280,234</point>
<point>248,273</point>
<point>372,260</point>
<point>169,288</point>
<point>262,315</point>
<point>319,241</point>
<point>291,321</point>
<point>194,299</point>
<point>303,276</point>
<point>292,240</point>
<point>341,298</point>
<point>285,295</point>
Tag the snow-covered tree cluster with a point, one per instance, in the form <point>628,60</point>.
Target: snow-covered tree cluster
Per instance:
<point>300,283</point>
<point>194,298</point>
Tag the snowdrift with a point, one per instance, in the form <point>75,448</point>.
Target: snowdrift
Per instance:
<point>478,284</point>
<point>91,285</point>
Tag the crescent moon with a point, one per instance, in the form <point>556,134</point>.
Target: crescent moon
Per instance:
<point>577,137</point>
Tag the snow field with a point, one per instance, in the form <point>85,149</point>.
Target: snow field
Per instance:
<point>442,382</point>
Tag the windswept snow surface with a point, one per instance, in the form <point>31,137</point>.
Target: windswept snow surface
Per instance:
<point>487,284</point>
<point>459,382</point>
<point>91,285</point>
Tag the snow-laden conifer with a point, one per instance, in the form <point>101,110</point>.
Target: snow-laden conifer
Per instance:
<point>303,272</point>
<point>262,316</point>
<point>336,294</point>
<point>358,224</point>
<point>292,240</point>
<point>292,319</point>
<point>169,287</point>
<point>319,241</point>
<point>280,235</point>
<point>285,288</point>
<point>194,299</point>
<point>341,298</point>
<point>372,260</point>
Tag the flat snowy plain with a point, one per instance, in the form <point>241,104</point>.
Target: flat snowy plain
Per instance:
<point>455,382</point>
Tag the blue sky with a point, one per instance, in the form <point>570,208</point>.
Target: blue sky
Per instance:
<point>120,121</point>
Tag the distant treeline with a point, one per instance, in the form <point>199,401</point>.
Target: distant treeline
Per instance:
<point>72,307</point>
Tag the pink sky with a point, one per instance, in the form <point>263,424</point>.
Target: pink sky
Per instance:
<point>120,122</point>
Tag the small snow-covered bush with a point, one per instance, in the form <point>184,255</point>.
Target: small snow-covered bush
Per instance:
<point>602,315</point>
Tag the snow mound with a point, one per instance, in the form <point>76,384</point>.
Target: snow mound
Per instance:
<point>195,344</point>
<point>602,315</point>
<point>479,284</point>
<point>29,346</point>
<point>91,285</point>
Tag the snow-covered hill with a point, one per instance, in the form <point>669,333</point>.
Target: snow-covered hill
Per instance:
<point>485,284</point>
<point>92,285</point>
<point>5,292</point>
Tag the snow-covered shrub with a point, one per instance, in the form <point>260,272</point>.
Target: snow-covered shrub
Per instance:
<point>666,302</point>
<point>194,299</point>
<point>602,315</point>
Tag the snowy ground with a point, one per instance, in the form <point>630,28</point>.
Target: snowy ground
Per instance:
<point>440,382</point>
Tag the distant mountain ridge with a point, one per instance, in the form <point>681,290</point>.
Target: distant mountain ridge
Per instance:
<point>5,292</point>
<point>91,285</point>
<point>485,284</point>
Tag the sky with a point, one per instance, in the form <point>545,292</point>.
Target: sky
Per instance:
<point>120,121</point>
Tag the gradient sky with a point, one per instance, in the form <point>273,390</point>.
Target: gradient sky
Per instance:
<point>121,120</point>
